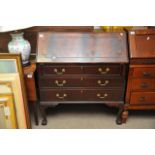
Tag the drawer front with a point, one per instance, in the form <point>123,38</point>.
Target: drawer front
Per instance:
<point>60,95</point>
<point>60,70</point>
<point>142,98</point>
<point>81,81</point>
<point>144,72</point>
<point>143,84</point>
<point>81,95</point>
<point>103,95</point>
<point>103,70</point>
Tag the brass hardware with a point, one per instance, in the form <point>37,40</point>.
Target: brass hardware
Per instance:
<point>102,97</point>
<point>142,98</point>
<point>146,74</point>
<point>59,73</point>
<point>60,84</point>
<point>144,85</point>
<point>61,97</point>
<point>148,38</point>
<point>103,84</point>
<point>104,72</point>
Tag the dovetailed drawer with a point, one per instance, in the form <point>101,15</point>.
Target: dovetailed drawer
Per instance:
<point>142,98</point>
<point>144,72</point>
<point>80,81</point>
<point>81,95</point>
<point>143,84</point>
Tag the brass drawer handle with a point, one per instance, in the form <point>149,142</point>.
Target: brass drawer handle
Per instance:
<point>106,82</point>
<point>60,84</point>
<point>142,98</point>
<point>61,72</point>
<point>61,97</point>
<point>146,74</point>
<point>144,85</point>
<point>104,72</point>
<point>102,97</point>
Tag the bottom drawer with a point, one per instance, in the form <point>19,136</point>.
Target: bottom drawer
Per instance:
<point>142,98</point>
<point>81,95</point>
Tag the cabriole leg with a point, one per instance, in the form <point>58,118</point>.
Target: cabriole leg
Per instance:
<point>43,113</point>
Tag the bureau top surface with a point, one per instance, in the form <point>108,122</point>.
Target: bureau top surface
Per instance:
<point>82,47</point>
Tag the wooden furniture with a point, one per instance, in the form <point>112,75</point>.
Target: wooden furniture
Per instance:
<point>31,88</point>
<point>81,68</point>
<point>141,79</point>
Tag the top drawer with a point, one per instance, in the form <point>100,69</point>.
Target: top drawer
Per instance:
<point>142,45</point>
<point>59,70</point>
<point>144,72</point>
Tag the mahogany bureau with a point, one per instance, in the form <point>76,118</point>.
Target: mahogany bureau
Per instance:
<point>83,68</point>
<point>141,79</point>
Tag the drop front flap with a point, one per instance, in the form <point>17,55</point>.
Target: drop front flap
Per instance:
<point>81,47</point>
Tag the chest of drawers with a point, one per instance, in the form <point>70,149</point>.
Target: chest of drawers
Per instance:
<point>81,68</point>
<point>141,78</point>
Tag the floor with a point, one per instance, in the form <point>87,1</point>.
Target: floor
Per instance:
<point>93,117</point>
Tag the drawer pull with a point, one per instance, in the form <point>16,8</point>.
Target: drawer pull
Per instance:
<point>59,73</point>
<point>104,72</point>
<point>103,84</point>
<point>146,74</point>
<point>102,97</point>
<point>60,84</point>
<point>142,99</point>
<point>144,85</point>
<point>61,97</point>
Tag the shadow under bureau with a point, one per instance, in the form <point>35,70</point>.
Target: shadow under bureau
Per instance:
<point>82,68</point>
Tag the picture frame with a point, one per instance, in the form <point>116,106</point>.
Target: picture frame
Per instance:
<point>11,71</point>
<point>7,111</point>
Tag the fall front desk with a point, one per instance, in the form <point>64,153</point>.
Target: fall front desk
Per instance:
<point>81,68</point>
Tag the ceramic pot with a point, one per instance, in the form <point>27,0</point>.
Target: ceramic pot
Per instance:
<point>19,45</point>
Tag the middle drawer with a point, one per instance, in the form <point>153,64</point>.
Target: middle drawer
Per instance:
<point>80,81</point>
<point>143,84</point>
